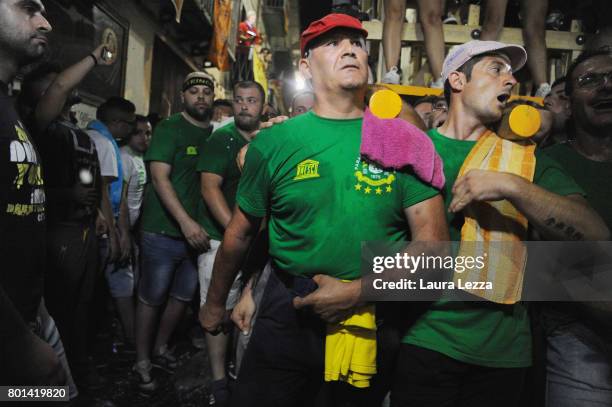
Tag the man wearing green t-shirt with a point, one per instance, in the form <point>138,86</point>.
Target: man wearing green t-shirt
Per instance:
<point>219,177</point>
<point>322,199</point>
<point>579,333</point>
<point>476,353</point>
<point>171,236</point>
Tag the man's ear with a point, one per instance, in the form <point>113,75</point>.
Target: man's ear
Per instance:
<point>305,68</point>
<point>457,80</point>
<point>183,97</point>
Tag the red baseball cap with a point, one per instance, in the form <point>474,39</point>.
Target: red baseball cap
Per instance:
<point>327,23</point>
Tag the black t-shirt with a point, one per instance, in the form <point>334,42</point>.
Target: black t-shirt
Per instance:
<point>22,212</point>
<point>69,156</point>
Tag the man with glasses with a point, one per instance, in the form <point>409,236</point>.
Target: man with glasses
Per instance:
<point>557,103</point>
<point>432,109</point>
<point>579,367</point>
<point>219,177</point>
<point>172,238</point>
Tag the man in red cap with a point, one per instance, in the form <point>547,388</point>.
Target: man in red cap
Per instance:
<point>322,199</point>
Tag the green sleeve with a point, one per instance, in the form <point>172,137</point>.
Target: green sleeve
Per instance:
<point>213,155</point>
<point>414,190</point>
<point>254,188</point>
<point>162,147</point>
<point>551,176</point>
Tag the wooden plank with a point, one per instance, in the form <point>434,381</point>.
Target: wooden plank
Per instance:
<point>473,15</point>
<point>409,90</point>
<point>458,34</point>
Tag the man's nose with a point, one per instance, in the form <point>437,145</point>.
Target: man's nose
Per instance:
<point>346,46</point>
<point>510,80</point>
<point>42,24</point>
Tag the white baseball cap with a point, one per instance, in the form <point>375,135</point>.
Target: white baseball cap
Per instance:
<point>460,54</point>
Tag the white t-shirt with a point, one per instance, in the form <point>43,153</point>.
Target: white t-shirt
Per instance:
<point>135,175</point>
<point>106,154</point>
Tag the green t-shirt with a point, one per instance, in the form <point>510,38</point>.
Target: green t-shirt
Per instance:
<point>322,198</point>
<point>218,156</point>
<point>592,176</point>
<point>485,333</point>
<point>175,142</point>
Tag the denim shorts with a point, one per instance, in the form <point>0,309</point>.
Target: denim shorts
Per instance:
<point>120,278</point>
<point>169,268</point>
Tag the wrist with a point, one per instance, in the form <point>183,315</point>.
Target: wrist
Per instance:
<point>354,293</point>
<point>514,187</point>
<point>94,58</point>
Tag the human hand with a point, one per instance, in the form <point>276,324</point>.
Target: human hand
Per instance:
<point>243,312</point>
<point>212,318</point>
<point>333,300</point>
<point>195,235</point>
<point>481,185</point>
<point>99,53</point>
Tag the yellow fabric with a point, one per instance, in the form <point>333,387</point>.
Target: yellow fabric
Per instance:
<point>350,349</point>
<point>259,72</point>
<point>487,222</point>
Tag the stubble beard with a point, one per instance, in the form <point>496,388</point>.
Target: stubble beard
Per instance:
<point>248,124</point>
<point>199,115</point>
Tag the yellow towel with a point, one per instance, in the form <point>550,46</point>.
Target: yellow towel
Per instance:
<point>499,221</point>
<point>350,349</point>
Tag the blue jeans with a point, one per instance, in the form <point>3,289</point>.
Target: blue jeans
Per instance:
<point>578,366</point>
<point>169,267</point>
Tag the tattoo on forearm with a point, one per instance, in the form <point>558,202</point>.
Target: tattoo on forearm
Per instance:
<point>569,231</point>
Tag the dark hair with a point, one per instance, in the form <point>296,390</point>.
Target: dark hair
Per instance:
<point>520,101</point>
<point>223,103</point>
<point>251,84</point>
<point>142,119</point>
<point>466,69</point>
<point>107,112</point>
<point>584,56</point>
<point>558,81</point>
<point>426,99</point>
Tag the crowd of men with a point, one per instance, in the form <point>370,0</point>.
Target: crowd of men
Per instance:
<point>267,219</point>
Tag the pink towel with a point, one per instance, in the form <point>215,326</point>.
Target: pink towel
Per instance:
<point>395,143</point>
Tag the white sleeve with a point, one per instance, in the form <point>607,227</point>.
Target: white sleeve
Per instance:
<point>128,166</point>
<point>106,155</point>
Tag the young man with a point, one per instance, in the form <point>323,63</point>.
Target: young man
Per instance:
<point>134,169</point>
<point>75,194</point>
<point>116,120</point>
<point>219,182</point>
<point>26,357</point>
<point>171,236</point>
<point>302,102</point>
<point>579,367</point>
<point>558,104</point>
<point>476,353</point>
<point>307,175</point>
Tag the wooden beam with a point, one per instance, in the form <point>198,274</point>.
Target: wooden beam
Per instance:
<point>409,90</point>
<point>473,15</point>
<point>458,34</point>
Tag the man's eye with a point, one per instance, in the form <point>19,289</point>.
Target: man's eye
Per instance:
<point>357,43</point>
<point>332,43</point>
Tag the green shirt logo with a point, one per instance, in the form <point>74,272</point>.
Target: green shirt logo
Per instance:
<point>307,169</point>
<point>370,178</point>
<point>192,150</point>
